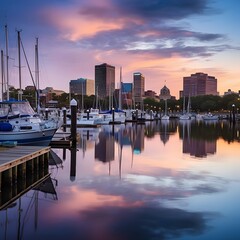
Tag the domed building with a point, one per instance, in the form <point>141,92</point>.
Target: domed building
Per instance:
<point>164,93</point>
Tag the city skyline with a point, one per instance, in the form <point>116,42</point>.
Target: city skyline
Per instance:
<point>164,40</point>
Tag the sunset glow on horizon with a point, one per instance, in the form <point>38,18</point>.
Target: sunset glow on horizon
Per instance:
<point>164,40</point>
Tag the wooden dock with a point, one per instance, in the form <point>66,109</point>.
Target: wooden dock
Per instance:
<point>19,163</point>
<point>61,139</point>
<point>11,157</point>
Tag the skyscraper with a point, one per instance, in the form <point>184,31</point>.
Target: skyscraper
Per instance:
<point>199,84</point>
<point>82,86</point>
<point>104,80</point>
<point>139,87</point>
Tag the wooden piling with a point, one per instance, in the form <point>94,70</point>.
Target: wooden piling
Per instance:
<point>64,110</point>
<point>73,105</point>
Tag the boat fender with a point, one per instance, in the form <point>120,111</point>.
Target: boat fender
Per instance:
<point>6,127</point>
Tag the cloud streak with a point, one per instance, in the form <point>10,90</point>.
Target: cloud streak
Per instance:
<point>133,34</point>
<point>138,27</point>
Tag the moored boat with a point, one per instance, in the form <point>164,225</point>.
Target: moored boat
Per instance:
<point>210,116</point>
<point>19,123</point>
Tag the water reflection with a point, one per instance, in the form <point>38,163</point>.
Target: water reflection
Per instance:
<point>104,148</point>
<point>199,137</point>
<point>21,214</point>
<point>166,194</point>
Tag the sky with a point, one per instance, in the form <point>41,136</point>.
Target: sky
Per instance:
<point>165,40</point>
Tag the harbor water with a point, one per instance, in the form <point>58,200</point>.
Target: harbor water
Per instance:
<point>159,180</point>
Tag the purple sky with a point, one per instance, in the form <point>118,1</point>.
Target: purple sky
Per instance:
<point>165,40</point>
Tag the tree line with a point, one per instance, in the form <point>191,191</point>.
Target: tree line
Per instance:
<point>205,103</point>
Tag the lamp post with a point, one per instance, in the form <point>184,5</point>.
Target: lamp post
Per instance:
<point>233,113</point>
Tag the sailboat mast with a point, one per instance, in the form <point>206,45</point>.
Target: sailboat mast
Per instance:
<point>184,105</point>
<point>2,75</point>
<point>97,99</point>
<point>120,90</point>
<point>82,99</point>
<point>165,106</point>
<point>189,104</point>
<point>37,75</point>
<point>7,61</point>
<point>19,67</point>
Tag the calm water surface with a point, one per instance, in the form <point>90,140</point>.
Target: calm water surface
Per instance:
<point>166,180</point>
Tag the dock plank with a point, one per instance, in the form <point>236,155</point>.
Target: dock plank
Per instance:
<point>10,157</point>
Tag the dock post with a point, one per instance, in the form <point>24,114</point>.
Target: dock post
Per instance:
<point>87,114</point>
<point>21,172</point>
<point>36,168</point>
<point>46,163</point>
<point>64,110</point>
<point>7,177</point>
<point>113,115</point>
<point>14,174</point>
<point>30,172</point>
<point>46,113</point>
<point>73,164</point>
<point>73,105</point>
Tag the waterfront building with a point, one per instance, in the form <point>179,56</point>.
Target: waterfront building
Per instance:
<point>199,84</point>
<point>104,80</point>
<point>47,94</point>
<point>82,86</point>
<point>164,93</point>
<point>150,94</point>
<point>229,92</point>
<point>139,88</point>
<point>127,94</point>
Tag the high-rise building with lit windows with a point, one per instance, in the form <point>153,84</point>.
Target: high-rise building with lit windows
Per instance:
<point>82,86</point>
<point>104,80</point>
<point>138,87</point>
<point>199,84</point>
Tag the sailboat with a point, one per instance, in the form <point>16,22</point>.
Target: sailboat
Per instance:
<point>165,116</point>
<point>186,114</point>
<point>19,124</point>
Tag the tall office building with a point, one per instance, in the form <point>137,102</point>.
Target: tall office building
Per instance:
<point>199,84</point>
<point>82,86</point>
<point>138,87</point>
<point>127,94</point>
<point>104,80</point>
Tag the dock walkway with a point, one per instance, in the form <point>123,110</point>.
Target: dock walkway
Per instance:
<point>21,168</point>
<point>11,157</point>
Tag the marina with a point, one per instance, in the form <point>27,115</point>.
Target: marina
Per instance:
<point>132,177</point>
<point>120,121</point>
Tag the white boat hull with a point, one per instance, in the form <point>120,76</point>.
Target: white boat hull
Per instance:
<point>165,117</point>
<point>28,137</point>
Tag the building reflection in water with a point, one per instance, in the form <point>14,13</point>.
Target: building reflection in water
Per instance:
<point>87,138</point>
<point>199,138</point>
<point>137,138</point>
<point>166,129</point>
<point>104,148</point>
<point>153,185</point>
